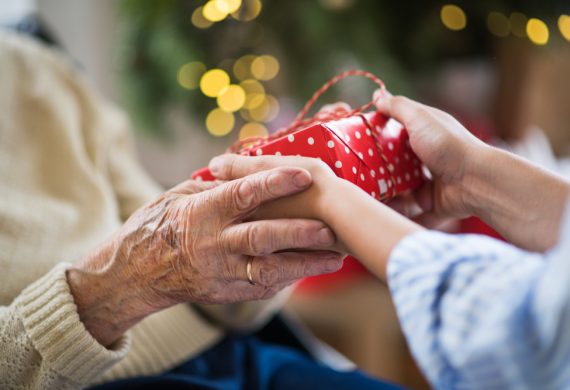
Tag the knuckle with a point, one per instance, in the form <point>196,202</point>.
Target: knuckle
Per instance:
<point>254,240</point>
<point>268,273</point>
<point>242,194</point>
<point>229,168</point>
<point>300,232</point>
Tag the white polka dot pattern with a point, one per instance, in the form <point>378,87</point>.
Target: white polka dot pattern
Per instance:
<point>381,163</point>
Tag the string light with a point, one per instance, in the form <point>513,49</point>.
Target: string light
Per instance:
<point>498,24</point>
<point>255,93</point>
<point>252,129</point>
<point>537,31</point>
<point>213,12</point>
<point>228,6</point>
<point>249,10</point>
<point>213,82</point>
<point>518,22</point>
<point>453,17</point>
<point>242,67</point>
<point>219,122</point>
<point>265,67</point>
<point>564,26</point>
<point>265,111</point>
<point>189,74</point>
<point>232,98</point>
<point>199,20</point>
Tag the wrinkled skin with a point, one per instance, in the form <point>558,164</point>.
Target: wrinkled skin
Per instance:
<point>192,244</point>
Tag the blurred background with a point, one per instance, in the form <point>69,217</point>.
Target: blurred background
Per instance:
<point>196,75</point>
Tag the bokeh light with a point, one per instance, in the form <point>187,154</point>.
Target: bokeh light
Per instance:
<point>242,67</point>
<point>213,82</point>
<point>199,20</point>
<point>252,129</point>
<point>255,93</point>
<point>189,74</point>
<point>518,22</point>
<point>249,10</point>
<point>265,110</point>
<point>453,17</point>
<point>220,122</point>
<point>215,11</point>
<point>564,26</point>
<point>265,67</point>
<point>498,24</point>
<point>537,31</point>
<point>231,98</point>
<point>228,6</point>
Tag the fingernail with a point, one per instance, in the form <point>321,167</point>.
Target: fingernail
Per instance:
<point>325,237</point>
<point>302,179</point>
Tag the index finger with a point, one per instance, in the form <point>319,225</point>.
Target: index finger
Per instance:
<point>405,110</point>
<point>242,196</point>
<point>234,166</point>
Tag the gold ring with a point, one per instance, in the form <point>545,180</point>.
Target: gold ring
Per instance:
<point>248,271</point>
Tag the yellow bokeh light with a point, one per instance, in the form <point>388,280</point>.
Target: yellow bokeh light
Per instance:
<point>242,67</point>
<point>189,74</point>
<point>498,24</point>
<point>199,20</point>
<point>252,86</point>
<point>453,17</point>
<point>537,31</point>
<point>232,98</point>
<point>220,122</point>
<point>265,67</point>
<point>228,6</point>
<point>255,93</point>
<point>252,129</point>
<point>250,10</point>
<point>213,82</point>
<point>265,111</point>
<point>213,13</point>
<point>518,24</point>
<point>564,26</point>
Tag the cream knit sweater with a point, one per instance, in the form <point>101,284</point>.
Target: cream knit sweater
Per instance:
<point>68,177</point>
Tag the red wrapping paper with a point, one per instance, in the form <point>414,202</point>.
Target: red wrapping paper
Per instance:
<point>369,150</point>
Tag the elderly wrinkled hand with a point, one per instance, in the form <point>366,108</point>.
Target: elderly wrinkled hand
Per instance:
<point>197,243</point>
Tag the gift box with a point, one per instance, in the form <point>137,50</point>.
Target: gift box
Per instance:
<point>367,149</point>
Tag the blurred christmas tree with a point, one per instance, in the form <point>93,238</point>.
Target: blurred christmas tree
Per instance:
<point>227,60</point>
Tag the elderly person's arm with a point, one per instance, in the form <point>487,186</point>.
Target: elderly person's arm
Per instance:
<point>65,165</point>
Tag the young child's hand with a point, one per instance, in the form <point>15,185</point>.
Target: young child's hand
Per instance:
<point>447,148</point>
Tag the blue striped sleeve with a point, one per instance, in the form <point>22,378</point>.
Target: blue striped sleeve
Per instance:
<point>479,313</point>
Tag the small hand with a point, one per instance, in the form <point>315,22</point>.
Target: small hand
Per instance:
<point>445,147</point>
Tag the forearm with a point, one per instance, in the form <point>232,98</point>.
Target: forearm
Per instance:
<point>521,201</point>
<point>368,229</point>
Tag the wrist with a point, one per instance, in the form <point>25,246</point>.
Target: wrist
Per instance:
<point>328,189</point>
<point>474,189</point>
<point>108,305</point>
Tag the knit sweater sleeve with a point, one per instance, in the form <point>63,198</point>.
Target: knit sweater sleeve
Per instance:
<point>44,344</point>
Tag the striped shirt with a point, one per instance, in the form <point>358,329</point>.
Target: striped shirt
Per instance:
<point>482,314</point>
